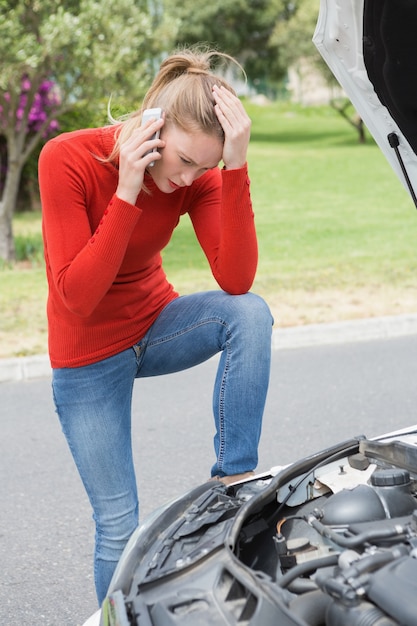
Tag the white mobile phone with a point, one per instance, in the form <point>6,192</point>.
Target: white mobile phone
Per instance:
<point>146,116</point>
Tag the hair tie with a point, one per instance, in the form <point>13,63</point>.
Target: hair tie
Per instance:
<point>196,70</point>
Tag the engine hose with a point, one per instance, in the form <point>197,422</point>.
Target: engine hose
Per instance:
<point>374,561</point>
<point>307,568</point>
<point>302,585</point>
<point>363,614</point>
<point>311,607</point>
<point>357,540</point>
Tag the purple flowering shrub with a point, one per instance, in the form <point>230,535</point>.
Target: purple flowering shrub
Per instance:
<point>46,100</point>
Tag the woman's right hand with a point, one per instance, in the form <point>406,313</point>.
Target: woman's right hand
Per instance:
<point>136,154</point>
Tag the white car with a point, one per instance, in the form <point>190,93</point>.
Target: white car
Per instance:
<point>330,540</point>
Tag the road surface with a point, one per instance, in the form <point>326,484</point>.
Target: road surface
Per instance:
<point>318,396</point>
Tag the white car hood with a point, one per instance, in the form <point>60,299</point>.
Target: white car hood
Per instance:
<point>371,48</point>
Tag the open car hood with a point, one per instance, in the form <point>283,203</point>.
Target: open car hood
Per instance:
<point>371,48</point>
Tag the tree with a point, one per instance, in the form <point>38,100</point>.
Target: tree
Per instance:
<point>346,109</point>
<point>240,28</point>
<point>45,102</point>
<point>294,39</point>
<point>294,32</point>
<point>89,49</point>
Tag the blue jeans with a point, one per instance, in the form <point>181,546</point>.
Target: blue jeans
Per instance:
<point>94,404</point>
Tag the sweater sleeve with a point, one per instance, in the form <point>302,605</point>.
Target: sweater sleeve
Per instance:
<point>224,223</point>
<point>83,265</point>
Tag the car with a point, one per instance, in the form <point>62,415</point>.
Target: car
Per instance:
<point>331,539</point>
<point>328,540</point>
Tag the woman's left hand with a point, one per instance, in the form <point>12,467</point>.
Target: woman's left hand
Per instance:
<point>236,125</point>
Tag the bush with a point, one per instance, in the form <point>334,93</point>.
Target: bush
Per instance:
<point>29,248</point>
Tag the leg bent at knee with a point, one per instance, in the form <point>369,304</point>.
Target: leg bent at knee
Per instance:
<point>253,313</point>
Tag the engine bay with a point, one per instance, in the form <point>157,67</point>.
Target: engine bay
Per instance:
<point>328,541</point>
<point>348,557</point>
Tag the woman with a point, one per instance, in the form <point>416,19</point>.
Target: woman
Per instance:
<point>110,204</point>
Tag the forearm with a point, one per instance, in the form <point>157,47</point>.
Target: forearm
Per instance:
<point>238,250</point>
<point>226,231</point>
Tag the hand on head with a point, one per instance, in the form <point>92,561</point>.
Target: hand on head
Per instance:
<point>236,125</point>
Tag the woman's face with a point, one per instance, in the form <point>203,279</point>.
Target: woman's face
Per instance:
<point>186,157</point>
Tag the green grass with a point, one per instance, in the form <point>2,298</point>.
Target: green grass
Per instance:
<point>23,328</point>
<point>344,217</point>
<point>337,231</point>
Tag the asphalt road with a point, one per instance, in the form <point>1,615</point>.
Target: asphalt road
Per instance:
<point>318,396</point>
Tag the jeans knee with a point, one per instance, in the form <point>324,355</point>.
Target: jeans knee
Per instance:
<point>256,312</point>
<point>261,309</point>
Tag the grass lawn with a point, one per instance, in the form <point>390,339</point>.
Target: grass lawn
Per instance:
<point>337,232</point>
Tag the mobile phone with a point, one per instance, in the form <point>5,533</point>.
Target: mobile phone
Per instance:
<point>148,114</point>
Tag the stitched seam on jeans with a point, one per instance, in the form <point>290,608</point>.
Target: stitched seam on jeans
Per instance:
<point>185,331</point>
<point>222,445</point>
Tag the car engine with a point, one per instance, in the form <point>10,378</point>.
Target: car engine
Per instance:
<point>350,558</point>
<point>328,541</point>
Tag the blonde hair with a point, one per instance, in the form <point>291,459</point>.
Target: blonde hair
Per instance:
<point>183,88</point>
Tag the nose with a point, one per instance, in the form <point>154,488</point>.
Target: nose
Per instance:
<point>187,178</point>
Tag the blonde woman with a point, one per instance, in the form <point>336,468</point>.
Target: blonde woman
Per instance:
<point>111,199</point>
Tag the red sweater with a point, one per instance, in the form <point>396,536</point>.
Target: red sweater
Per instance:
<point>103,255</point>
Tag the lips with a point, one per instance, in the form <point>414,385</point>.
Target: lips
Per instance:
<point>173,185</point>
